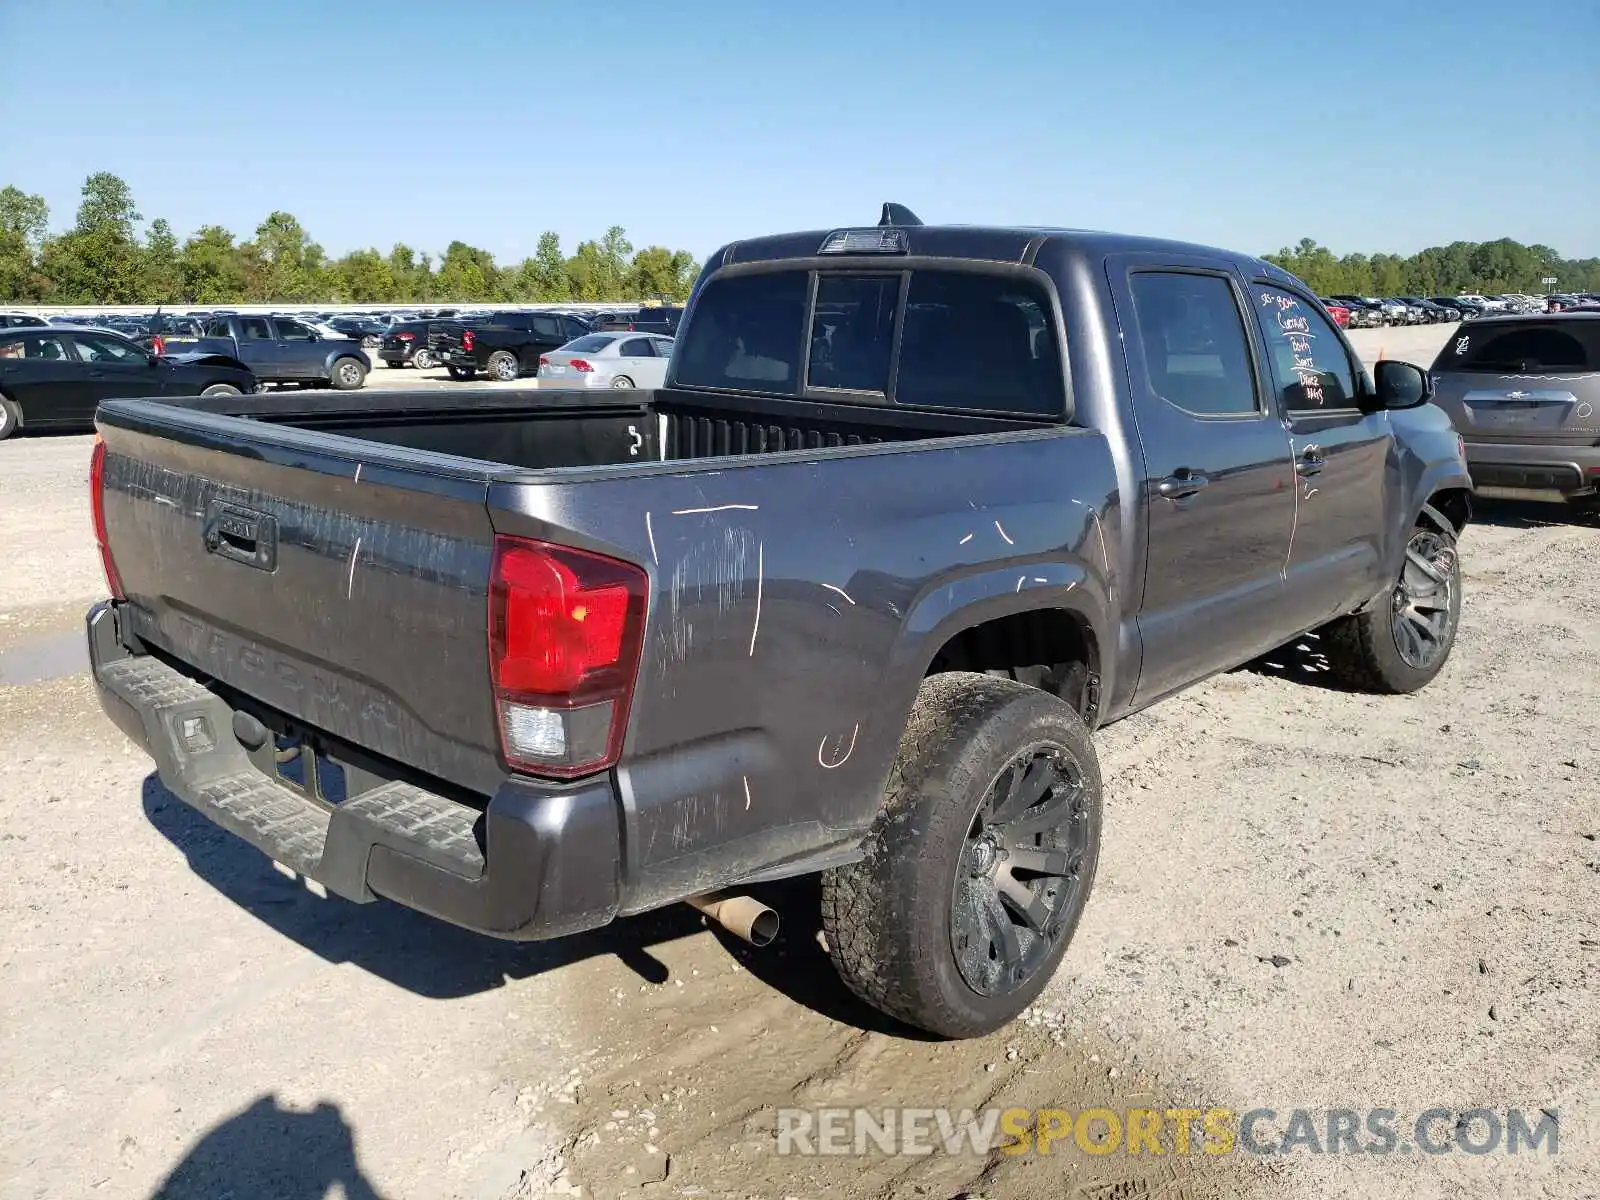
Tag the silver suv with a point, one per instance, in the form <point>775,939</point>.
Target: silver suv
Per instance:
<point>1524,393</point>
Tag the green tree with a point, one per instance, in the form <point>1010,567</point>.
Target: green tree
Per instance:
<point>288,264</point>
<point>23,219</point>
<point>550,280</point>
<point>655,270</point>
<point>468,273</point>
<point>98,260</point>
<point>214,270</point>
<point>362,277</point>
<point>161,271</point>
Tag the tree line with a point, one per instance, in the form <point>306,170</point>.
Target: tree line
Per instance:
<point>1483,267</point>
<point>106,257</point>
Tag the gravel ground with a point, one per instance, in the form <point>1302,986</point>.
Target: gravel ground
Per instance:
<point>1306,899</point>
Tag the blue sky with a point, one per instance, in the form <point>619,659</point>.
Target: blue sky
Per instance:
<point>1367,124</point>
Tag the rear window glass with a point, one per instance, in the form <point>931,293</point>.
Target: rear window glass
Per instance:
<point>1521,349</point>
<point>746,334</point>
<point>589,344</point>
<point>852,332</point>
<point>978,342</point>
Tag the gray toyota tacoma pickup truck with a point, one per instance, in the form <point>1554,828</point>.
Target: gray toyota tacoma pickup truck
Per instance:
<point>918,509</point>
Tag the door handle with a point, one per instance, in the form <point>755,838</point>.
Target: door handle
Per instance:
<point>1182,484</point>
<point>1311,461</point>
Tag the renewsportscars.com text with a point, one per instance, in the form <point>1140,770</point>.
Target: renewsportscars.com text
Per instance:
<point>1159,1131</point>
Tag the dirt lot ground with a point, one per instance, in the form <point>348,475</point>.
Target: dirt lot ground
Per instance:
<point>1307,899</point>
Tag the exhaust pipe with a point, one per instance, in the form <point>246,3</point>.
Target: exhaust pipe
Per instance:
<point>741,916</point>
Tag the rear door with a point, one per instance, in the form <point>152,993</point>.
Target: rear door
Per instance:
<point>636,358</point>
<point>41,373</point>
<point>1219,496</point>
<point>546,333</point>
<point>1341,456</point>
<point>113,368</point>
<point>258,347</point>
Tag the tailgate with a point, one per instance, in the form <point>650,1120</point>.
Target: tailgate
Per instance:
<point>444,338</point>
<point>340,582</point>
<point>1550,410</point>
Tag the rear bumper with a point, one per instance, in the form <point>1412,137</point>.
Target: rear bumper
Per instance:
<point>538,861</point>
<point>460,358</point>
<point>1533,469</point>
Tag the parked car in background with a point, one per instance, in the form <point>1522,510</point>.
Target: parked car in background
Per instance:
<point>1339,312</point>
<point>405,344</point>
<point>609,360</point>
<point>1464,309</point>
<point>504,346</point>
<point>1362,314</point>
<point>366,330</point>
<point>662,319</point>
<point>20,320</point>
<point>1524,393</point>
<point>1432,313</point>
<point>286,350</point>
<point>53,376</point>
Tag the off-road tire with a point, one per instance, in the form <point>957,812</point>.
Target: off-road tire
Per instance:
<point>1361,649</point>
<point>888,918</point>
<point>503,366</point>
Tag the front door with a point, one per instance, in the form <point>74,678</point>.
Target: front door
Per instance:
<point>258,348</point>
<point>296,348</point>
<point>1341,457</point>
<point>1218,484</point>
<point>114,368</point>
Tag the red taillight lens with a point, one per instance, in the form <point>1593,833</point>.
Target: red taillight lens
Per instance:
<point>565,627</point>
<point>406,337</point>
<point>579,364</point>
<point>544,360</point>
<point>97,506</point>
<point>466,340</point>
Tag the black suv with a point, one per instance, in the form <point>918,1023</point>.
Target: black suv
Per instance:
<point>503,344</point>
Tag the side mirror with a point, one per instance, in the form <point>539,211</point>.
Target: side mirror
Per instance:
<point>1401,384</point>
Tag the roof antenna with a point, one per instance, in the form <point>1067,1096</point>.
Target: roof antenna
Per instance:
<point>897,214</point>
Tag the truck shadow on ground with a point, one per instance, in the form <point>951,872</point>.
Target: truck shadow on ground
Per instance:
<point>269,1150</point>
<point>1301,661</point>
<point>437,960</point>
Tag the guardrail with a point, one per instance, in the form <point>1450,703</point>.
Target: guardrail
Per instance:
<point>139,310</point>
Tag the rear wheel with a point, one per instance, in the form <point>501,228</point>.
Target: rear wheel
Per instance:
<point>503,366</point>
<point>10,418</point>
<point>622,381</point>
<point>422,359</point>
<point>1402,641</point>
<point>221,389</point>
<point>348,374</point>
<point>978,868</point>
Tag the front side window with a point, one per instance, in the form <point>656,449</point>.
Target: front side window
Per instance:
<point>546,327</point>
<point>1195,348</point>
<point>1310,368</point>
<point>293,330</point>
<point>852,332</point>
<point>107,350</point>
<point>255,329</point>
<point>746,334</point>
<point>637,348</point>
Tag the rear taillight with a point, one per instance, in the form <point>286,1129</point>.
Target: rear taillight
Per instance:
<point>466,340</point>
<point>565,628</point>
<point>406,337</point>
<point>579,364</point>
<point>544,360</point>
<point>97,506</point>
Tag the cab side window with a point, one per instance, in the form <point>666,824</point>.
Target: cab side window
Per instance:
<point>1310,368</point>
<point>1195,348</point>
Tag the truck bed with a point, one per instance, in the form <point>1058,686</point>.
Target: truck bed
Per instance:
<point>324,563</point>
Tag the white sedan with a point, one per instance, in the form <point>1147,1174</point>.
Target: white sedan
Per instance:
<point>608,360</point>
